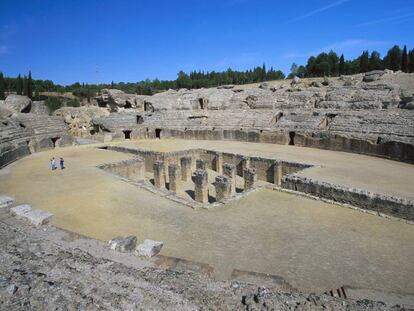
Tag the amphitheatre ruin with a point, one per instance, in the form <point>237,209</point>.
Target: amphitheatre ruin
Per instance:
<point>298,186</point>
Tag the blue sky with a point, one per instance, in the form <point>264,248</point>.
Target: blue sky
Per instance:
<point>99,41</point>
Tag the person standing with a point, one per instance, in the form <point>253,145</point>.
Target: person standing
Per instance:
<point>62,163</point>
<point>53,163</point>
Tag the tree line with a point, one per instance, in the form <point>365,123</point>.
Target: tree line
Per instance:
<point>193,80</point>
<point>324,64</point>
<point>330,64</point>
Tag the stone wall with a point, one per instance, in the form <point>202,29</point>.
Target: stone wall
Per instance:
<point>385,204</point>
<point>133,169</point>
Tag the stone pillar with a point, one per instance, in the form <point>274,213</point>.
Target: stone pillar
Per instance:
<point>245,163</point>
<point>223,188</point>
<point>219,163</point>
<point>277,171</point>
<point>201,164</point>
<point>174,174</point>
<point>186,163</point>
<point>250,178</point>
<point>139,170</point>
<point>159,174</point>
<point>229,170</point>
<point>201,186</point>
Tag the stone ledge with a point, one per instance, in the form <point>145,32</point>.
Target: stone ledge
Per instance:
<point>6,201</point>
<point>20,210</point>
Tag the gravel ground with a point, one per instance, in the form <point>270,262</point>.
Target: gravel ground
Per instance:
<point>49,269</point>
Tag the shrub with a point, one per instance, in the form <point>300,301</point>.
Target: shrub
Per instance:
<point>73,103</point>
<point>53,103</point>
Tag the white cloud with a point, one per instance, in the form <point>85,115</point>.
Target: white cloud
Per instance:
<point>317,11</point>
<point>348,45</point>
<point>394,18</point>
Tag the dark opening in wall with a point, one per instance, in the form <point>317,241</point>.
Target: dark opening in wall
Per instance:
<point>128,105</point>
<point>148,107</point>
<point>140,119</point>
<point>292,138</point>
<point>54,140</point>
<point>157,133</point>
<point>127,134</point>
<point>27,109</point>
<point>201,102</point>
<point>22,125</point>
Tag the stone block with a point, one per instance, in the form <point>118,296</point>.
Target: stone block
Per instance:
<point>37,217</point>
<point>20,209</point>
<point>159,174</point>
<point>223,188</point>
<point>121,244</point>
<point>229,170</point>
<point>250,178</point>
<point>201,186</point>
<point>6,201</point>
<point>186,163</point>
<point>149,248</point>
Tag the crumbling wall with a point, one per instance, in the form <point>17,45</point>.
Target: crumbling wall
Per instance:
<point>381,203</point>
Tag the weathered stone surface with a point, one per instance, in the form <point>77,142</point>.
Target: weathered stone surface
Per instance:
<point>80,119</point>
<point>373,75</point>
<point>37,217</point>
<point>6,201</point>
<point>18,103</point>
<point>223,188</point>
<point>20,209</point>
<point>117,100</point>
<point>201,186</point>
<point>149,248</point>
<point>39,107</point>
<point>126,244</point>
<point>4,111</point>
<point>121,285</point>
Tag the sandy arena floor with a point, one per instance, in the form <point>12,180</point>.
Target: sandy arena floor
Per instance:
<point>313,245</point>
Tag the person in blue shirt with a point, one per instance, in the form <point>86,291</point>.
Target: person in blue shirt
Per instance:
<point>62,163</point>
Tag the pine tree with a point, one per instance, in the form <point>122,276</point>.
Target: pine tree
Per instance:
<point>404,60</point>
<point>37,96</point>
<point>2,87</point>
<point>19,85</point>
<point>25,87</point>
<point>364,62</point>
<point>411,61</point>
<point>375,62</point>
<point>30,85</point>
<point>393,59</point>
<point>341,67</point>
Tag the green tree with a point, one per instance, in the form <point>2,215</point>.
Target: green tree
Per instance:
<point>30,85</point>
<point>404,60</point>
<point>25,87</point>
<point>411,61</point>
<point>375,62</point>
<point>341,66</point>
<point>2,87</point>
<point>19,85</point>
<point>364,62</point>
<point>393,58</point>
